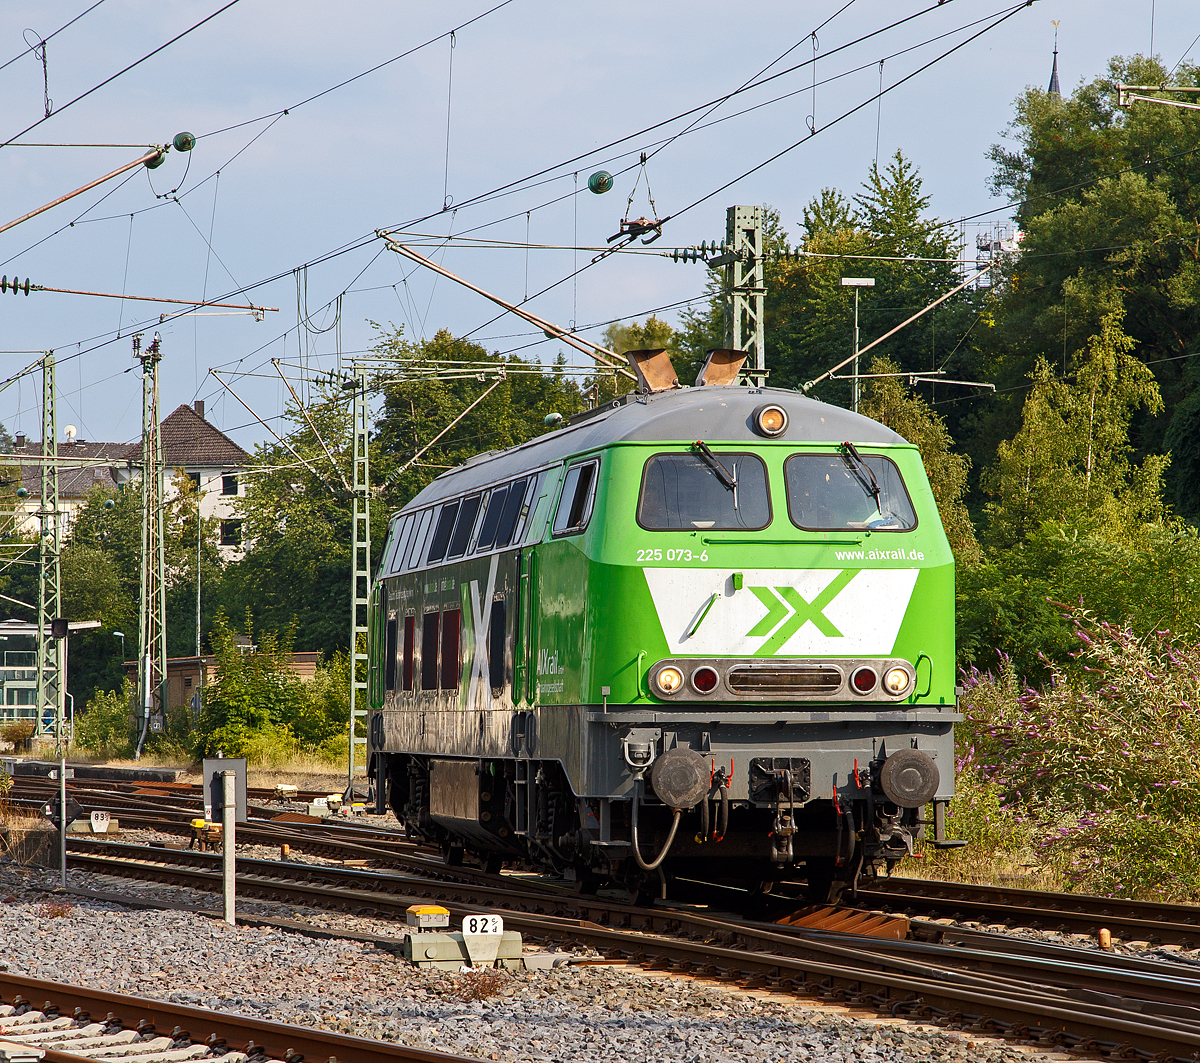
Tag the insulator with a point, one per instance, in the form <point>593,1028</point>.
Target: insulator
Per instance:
<point>183,142</point>
<point>26,285</point>
<point>675,255</point>
<point>4,283</point>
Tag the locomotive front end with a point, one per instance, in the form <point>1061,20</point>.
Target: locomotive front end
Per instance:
<point>786,605</point>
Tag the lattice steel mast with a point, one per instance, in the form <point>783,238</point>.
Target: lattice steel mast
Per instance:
<point>745,288</point>
<point>360,568</point>
<point>152,597</point>
<point>50,694</point>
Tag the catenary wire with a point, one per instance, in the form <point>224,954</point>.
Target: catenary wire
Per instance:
<point>124,70</point>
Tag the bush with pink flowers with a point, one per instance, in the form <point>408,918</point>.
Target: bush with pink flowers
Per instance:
<point>1097,772</point>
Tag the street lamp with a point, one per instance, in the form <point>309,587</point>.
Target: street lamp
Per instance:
<point>121,635</point>
<point>856,283</point>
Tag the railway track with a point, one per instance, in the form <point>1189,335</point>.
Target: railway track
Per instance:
<point>71,1024</point>
<point>1071,913</point>
<point>1086,1001</point>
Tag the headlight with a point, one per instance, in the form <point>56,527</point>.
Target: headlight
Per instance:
<point>896,681</point>
<point>668,680</point>
<point>770,420</point>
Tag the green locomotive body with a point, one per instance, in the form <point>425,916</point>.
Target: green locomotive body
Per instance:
<point>707,632</point>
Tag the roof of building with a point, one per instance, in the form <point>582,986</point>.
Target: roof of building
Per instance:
<point>188,439</point>
<point>713,414</point>
<point>1054,90</point>
<point>75,481</point>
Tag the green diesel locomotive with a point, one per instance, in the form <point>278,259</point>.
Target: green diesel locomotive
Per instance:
<point>706,632</point>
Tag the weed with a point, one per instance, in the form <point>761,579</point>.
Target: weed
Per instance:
<point>56,910</point>
<point>479,984</point>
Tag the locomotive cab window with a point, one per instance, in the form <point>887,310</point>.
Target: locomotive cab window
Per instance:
<point>575,502</point>
<point>839,492</point>
<point>704,489</point>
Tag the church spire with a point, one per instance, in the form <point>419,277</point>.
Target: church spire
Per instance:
<point>1053,90</point>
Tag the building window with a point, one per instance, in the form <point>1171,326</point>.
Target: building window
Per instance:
<point>231,533</point>
<point>20,695</point>
<point>187,682</point>
<point>229,485</point>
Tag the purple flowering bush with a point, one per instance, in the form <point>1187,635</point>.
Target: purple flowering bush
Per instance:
<point>1095,773</point>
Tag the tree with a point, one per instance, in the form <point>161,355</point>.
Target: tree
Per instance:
<point>416,410</point>
<point>101,573</point>
<point>296,526</point>
<point>1109,204</point>
<point>808,313</point>
<point>910,416</point>
<point>1069,464</point>
<point>252,694</point>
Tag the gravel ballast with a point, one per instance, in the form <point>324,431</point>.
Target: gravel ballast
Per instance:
<point>567,1013</point>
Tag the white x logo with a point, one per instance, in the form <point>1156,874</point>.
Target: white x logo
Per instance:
<point>481,615</point>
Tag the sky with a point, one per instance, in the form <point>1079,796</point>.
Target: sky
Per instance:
<point>488,134</point>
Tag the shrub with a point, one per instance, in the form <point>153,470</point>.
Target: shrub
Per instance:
<point>106,727</point>
<point>17,733</point>
<point>1099,763</point>
<point>253,693</point>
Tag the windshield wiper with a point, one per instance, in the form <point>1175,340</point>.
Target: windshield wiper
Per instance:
<point>723,474</point>
<point>858,466</point>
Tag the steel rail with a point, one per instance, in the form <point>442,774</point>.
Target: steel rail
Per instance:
<point>275,1040</point>
<point>1075,913</point>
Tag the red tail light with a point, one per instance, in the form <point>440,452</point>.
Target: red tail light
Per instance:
<point>864,680</point>
<point>705,679</point>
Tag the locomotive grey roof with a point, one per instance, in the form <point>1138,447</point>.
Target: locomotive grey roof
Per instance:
<point>683,415</point>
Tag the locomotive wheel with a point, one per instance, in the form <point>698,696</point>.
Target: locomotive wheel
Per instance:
<point>821,886</point>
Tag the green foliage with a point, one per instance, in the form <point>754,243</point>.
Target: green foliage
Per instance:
<point>1069,463</point>
<point>258,708</point>
<point>244,707</point>
<point>1101,762</point>
<point>106,727</point>
<point>890,403</point>
<point>324,712</point>
<point>1098,239</point>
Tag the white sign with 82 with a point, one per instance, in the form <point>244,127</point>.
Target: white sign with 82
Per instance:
<point>483,924</point>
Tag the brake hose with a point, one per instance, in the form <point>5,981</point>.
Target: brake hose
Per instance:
<point>633,833</point>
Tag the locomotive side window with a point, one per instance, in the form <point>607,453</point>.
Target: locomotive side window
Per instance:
<point>496,636</point>
<point>467,512</point>
<point>512,510</point>
<point>410,639</point>
<point>429,651</point>
<point>575,502</point>
<point>441,532</point>
<point>418,543</point>
<point>389,660</point>
<point>491,518</point>
<point>837,492</point>
<point>450,621</point>
<point>721,490</point>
